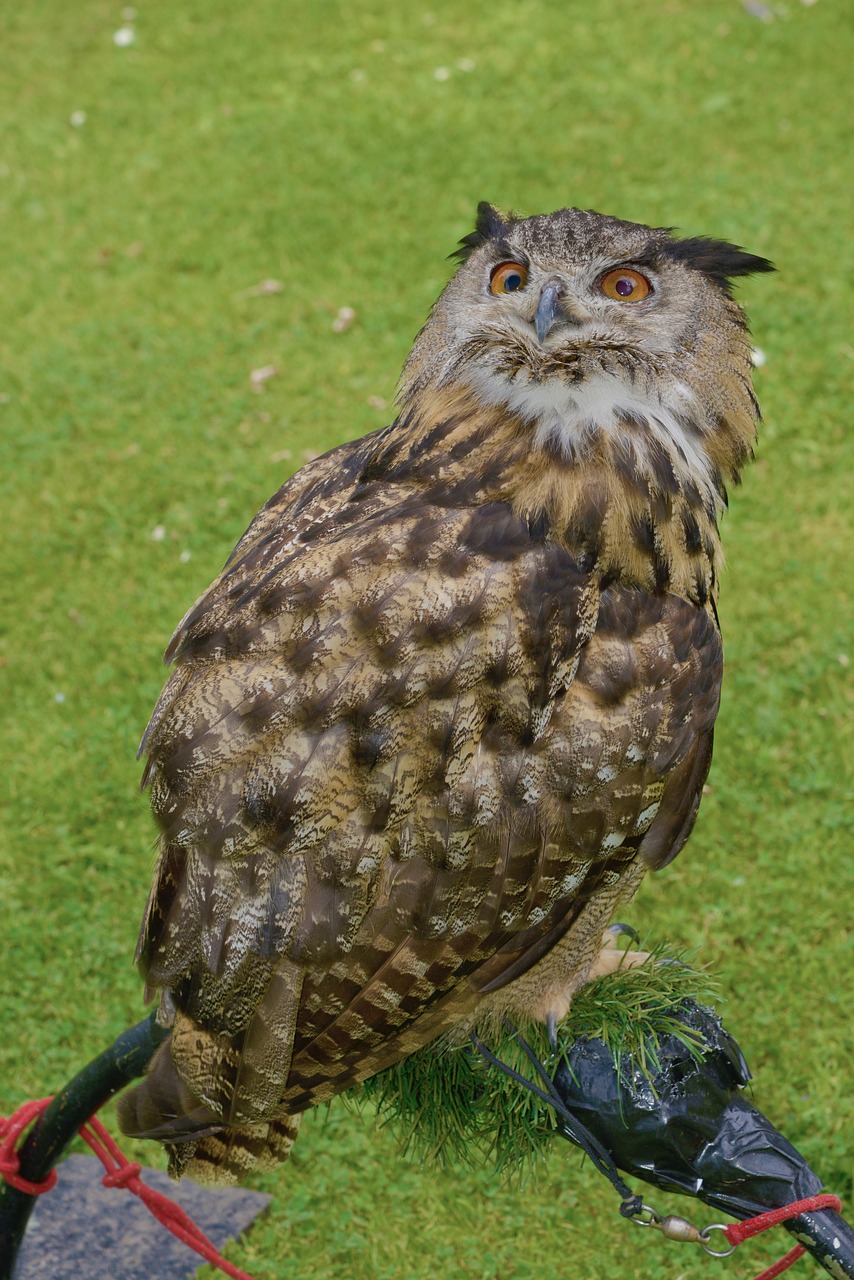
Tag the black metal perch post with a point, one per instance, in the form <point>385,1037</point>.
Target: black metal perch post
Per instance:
<point>106,1075</point>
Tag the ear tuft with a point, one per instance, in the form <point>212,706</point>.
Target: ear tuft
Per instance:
<point>491,224</point>
<point>716,258</point>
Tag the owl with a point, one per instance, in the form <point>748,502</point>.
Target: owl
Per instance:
<point>453,693</point>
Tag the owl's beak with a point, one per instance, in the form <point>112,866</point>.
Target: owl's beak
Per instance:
<point>547,310</point>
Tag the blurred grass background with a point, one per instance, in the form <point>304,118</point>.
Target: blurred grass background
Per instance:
<point>149,182</point>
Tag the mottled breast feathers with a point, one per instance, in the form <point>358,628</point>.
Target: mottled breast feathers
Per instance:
<point>393,730</point>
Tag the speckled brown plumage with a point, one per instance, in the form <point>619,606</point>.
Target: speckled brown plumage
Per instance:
<point>453,692</point>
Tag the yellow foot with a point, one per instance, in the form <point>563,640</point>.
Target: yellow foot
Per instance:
<point>611,958</point>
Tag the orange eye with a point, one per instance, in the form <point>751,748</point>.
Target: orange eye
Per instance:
<point>507,277</point>
<point>625,285</point>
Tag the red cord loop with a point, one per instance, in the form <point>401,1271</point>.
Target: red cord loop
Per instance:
<point>9,1173</point>
<point>120,1172</point>
<point>737,1232</point>
<point>11,1128</point>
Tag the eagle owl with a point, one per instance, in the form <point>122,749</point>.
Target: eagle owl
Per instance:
<point>454,691</point>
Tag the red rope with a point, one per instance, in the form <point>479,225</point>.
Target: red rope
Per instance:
<point>120,1172</point>
<point>737,1232</point>
<point>10,1132</point>
<point>777,1268</point>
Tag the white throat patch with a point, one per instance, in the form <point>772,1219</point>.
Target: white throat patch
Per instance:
<point>566,416</point>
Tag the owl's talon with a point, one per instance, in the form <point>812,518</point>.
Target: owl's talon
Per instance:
<point>619,928</point>
<point>551,1030</point>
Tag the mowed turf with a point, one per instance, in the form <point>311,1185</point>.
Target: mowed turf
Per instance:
<point>147,188</point>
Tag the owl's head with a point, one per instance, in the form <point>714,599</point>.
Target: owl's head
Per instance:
<point>575,321</point>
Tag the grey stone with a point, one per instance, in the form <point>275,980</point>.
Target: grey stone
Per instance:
<point>84,1229</point>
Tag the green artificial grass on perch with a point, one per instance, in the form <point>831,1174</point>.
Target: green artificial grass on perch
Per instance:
<point>449,1105</point>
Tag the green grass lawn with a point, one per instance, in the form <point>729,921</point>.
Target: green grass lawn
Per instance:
<point>340,149</point>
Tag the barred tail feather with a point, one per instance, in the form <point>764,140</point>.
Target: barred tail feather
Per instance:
<point>201,1145</point>
<point>226,1158</point>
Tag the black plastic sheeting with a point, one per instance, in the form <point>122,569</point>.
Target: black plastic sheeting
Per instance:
<point>685,1125</point>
